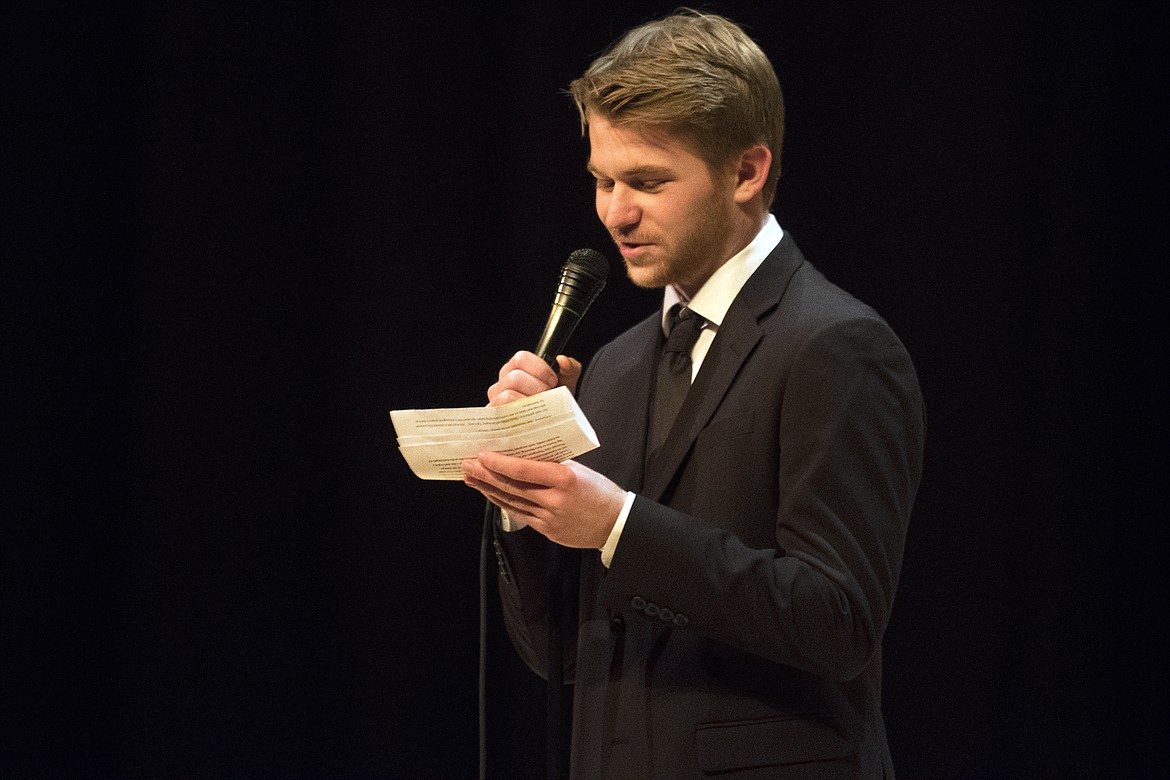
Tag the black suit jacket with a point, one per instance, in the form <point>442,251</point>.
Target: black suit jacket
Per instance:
<point>738,629</point>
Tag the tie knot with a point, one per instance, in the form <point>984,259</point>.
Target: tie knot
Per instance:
<point>684,327</point>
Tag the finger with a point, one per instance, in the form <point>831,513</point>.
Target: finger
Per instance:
<point>525,475</point>
<point>528,363</point>
<point>519,384</point>
<point>570,371</point>
<point>498,397</point>
<point>515,506</point>
<point>511,485</point>
<point>501,491</point>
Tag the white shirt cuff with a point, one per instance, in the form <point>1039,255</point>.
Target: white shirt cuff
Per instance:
<point>508,524</point>
<point>610,545</point>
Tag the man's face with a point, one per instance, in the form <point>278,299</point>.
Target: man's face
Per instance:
<point>668,212</point>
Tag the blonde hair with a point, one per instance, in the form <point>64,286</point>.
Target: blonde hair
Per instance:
<point>697,74</point>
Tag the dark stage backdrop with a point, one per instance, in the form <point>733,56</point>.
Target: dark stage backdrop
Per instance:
<point>239,235</point>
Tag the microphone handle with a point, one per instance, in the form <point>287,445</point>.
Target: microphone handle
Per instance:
<point>561,323</point>
<point>582,278</point>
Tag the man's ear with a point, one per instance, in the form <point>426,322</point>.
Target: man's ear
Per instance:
<point>752,172</point>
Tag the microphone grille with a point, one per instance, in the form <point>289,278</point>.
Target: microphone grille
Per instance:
<point>591,262</point>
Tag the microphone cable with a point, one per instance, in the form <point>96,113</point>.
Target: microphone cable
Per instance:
<point>488,517</point>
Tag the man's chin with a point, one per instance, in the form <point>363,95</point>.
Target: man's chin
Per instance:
<point>648,277</point>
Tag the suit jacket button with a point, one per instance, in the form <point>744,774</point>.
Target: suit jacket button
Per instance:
<point>666,614</point>
<point>617,626</point>
<point>638,603</point>
<point>651,609</point>
<point>681,620</point>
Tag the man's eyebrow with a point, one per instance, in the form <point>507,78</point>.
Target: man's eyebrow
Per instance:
<point>637,172</point>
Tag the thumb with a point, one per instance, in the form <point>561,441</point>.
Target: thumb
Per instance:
<point>569,372</point>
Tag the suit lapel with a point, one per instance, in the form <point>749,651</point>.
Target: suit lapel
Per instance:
<point>737,337</point>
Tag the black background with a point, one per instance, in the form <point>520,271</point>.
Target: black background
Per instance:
<point>238,235</point>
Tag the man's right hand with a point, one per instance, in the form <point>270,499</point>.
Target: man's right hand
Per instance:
<point>526,374</point>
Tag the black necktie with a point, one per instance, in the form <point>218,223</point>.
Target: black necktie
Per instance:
<point>674,373</point>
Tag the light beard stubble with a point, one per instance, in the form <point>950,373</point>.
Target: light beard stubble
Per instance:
<point>697,255</point>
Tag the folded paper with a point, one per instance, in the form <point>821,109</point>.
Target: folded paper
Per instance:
<point>549,426</point>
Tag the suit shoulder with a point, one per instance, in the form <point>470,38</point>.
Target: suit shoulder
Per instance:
<point>814,302</point>
<point>788,292</point>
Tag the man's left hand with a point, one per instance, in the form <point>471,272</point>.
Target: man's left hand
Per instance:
<point>570,504</point>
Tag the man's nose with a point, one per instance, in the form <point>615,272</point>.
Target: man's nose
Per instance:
<point>621,209</point>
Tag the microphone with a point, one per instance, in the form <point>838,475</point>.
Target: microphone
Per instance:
<point>582,278</point>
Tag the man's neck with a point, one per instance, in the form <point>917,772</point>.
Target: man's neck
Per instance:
<point>746,224</point>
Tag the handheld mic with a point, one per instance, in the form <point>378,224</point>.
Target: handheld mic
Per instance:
<point>582,278</point>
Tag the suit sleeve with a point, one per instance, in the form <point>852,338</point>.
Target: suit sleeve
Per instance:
<point>523,567</point>
<point>849,442</point>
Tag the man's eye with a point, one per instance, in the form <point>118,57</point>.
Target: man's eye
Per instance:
<point>604,184</point>
<point>649,185</point>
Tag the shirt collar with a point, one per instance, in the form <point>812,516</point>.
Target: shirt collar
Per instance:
<point>714,298</point>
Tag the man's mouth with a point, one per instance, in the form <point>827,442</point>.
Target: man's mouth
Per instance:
<point>631,248</point>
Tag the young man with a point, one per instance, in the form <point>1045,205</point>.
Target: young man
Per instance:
<point>739,556</point>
